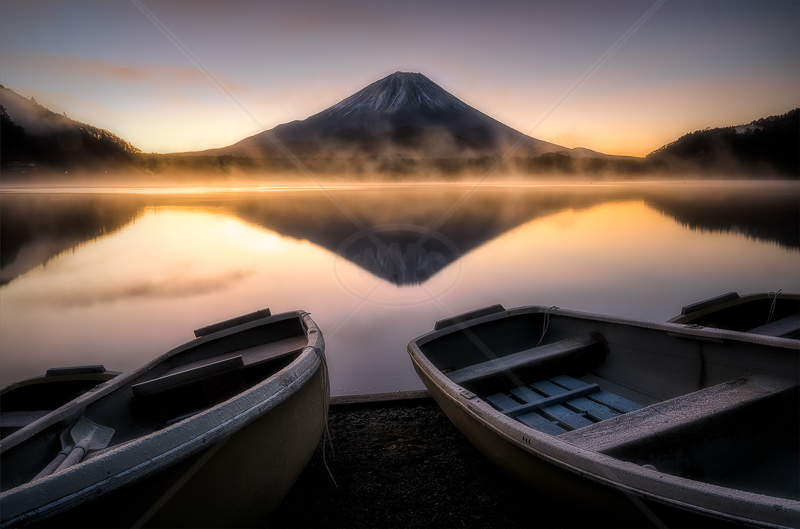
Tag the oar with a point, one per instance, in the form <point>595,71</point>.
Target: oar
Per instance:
<point>66,447</point>
<point>85,436</point>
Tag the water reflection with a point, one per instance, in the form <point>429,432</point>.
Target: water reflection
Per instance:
<point>123,299</point>
<point>167,253</point>
<point>35,228</point>
<point>766,213</point>
<point>125,277</point>
<point>403,235</point>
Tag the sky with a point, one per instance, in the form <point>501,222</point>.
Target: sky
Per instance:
<point>620,77</point>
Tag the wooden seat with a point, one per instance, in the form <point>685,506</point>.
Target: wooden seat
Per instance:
<point>202,381</point>
<point>783,327</point>
<point>180,394</point>
<point>727,405</point>
<point>11,421</point>
<point>186,376</point>
<point>531,364</point>
<point>560,404</point>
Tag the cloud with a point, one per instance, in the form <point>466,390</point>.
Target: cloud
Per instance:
<point>159,75</point>
<point>165,288</point>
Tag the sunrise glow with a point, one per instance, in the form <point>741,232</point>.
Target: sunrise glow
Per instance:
<point>612,76</point>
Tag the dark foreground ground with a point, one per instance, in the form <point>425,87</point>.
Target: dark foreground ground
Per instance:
<point>403,464</point>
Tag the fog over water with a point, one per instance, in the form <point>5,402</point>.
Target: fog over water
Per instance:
<point>119,277</point>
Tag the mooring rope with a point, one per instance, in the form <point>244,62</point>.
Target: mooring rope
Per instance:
<point>326,436</point>
<point>546,323</point>
<point>774,302</point>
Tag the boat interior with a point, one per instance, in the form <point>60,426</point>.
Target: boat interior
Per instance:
<point>24,402</point>
<point>756,314</point>
<point>192,378</point>
<point>686,405</point>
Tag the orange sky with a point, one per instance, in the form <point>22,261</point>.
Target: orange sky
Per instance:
<point>620,77</point>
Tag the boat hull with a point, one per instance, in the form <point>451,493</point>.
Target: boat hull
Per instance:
<point>237,482</point>
<point>584,500</point>
<point>619,483</point>
<point>228,465</point>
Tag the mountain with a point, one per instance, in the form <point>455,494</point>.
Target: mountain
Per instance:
<point>33,134</point>
<point>403,114</point>
<point>765,145</point>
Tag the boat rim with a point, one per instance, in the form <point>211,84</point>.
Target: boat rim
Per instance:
<point>183,439</point>
<point>689,330</point>
<point>630,478</point>
<point>726,303</point>
<point>111,385</point>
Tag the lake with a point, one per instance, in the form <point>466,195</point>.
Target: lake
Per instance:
<point>119,276</point>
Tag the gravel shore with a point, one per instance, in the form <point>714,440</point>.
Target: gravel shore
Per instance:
<point>401,463</point>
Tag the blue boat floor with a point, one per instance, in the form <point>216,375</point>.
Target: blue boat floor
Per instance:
<point>560,404</point>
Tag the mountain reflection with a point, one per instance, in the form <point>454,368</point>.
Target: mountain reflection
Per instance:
<point>404,235</point>
<point>756,213</point>
<point>36,228</point>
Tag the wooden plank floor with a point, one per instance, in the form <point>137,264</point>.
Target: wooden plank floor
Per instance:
<point>560,404</point>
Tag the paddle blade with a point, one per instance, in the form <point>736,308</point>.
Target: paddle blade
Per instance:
<point>98,436</point>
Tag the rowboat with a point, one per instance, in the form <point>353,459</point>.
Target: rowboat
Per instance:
<point>641,423</point>
<point>767,313</point>
<point>27,400</point>
<point>212,433</point>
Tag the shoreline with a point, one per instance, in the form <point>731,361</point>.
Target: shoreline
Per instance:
<point>299,184</point>
<point>398,461</point>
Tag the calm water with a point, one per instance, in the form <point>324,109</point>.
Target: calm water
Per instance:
<point>120,277</point>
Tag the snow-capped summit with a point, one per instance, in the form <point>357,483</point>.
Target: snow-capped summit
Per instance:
<point>401,90</point>
<point>403,114</point>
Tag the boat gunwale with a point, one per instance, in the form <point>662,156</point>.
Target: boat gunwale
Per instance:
<point>183,439</point>
<point>687,319</point>
<point>627,477</point>
<point>43,379</point>
<point>678,329</point>
<point>120,380</point>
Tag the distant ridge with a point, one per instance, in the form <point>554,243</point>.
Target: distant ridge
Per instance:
<point>403,114</point>
<point>766,144</point>
<point>33,134</point>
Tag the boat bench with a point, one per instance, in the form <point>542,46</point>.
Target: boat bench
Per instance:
<point>229,365</point>
<point>180,394</point>
<point>582,354</point>
<point>741,403</point>
<point>198,383</point>
<point>187,376</point>
<point>11,421</point>
<point>560,404</point>
<point>783,327</point>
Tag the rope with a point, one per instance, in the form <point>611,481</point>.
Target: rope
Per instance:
<point>546,323</point>
<point>326,437</point>
<point>774,302</point>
